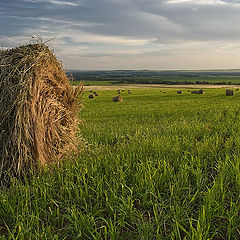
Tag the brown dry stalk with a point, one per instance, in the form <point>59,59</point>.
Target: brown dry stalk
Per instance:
<point>38,109</point>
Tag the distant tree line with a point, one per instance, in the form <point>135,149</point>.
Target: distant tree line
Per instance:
<point>157,77</point>
<point>167,82</point>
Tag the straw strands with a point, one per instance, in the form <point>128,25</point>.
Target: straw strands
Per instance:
<point>38,109</point>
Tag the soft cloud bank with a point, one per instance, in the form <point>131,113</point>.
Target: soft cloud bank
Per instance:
<point>129,34</point>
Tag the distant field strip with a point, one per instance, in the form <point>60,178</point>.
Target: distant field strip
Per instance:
<point>139,86</point>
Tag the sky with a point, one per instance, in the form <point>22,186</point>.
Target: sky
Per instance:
<point>128,34</point>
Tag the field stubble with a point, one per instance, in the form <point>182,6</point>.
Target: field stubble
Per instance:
<point>158,166</point>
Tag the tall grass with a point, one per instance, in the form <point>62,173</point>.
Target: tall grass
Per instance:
<point>156,167</point>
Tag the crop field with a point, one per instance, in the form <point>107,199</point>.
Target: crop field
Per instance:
<point>169,80</point>
<point>155,166</point>
<point>92,83</point>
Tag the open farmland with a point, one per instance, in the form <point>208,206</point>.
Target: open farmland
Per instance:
<point>209,77</point>
<point>155,166</point>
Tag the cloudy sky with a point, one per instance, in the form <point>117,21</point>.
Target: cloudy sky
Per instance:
<point>128,34</point>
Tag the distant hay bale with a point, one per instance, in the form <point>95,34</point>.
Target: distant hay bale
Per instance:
<point>117,99</point>
<point>38,109</point>
<point>179,92</point>
<point>201,91</point>
<point>91,96</point>
<point>229,92</point>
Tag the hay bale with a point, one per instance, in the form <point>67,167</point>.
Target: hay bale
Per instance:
<point>38,109</point>
<point>117,99</point>
<point>229,92</point>
<point>179,92</point>
<point>201,91</point>
<point>91,96</point>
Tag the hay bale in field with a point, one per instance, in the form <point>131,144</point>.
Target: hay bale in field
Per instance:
<point>117,99</point>
<point>179,92</point>
<point>38,109</point>
<point>91,96</point>
<point>229,92</point>
<point>200,91</point>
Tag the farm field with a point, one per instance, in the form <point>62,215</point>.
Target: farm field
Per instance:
<point>92,83</point>
<point>155,166</point>
<point>217,77</point>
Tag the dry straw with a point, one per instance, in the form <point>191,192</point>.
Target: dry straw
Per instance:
<point>229,92</point>
<point>38,109</point>
<point>117,99</point>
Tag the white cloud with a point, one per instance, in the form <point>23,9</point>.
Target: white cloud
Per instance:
<point>198,2</point>
<point>56,2</point>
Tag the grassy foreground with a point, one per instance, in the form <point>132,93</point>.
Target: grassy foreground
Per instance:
<point>157,166</point>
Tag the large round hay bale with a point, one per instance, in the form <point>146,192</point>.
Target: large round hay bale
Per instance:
<point>201,91</point>
<point>117,99</point>
<point>229,92</point>
<point>38,109</point>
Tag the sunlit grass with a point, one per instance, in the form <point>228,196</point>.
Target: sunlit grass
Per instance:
<point>157,166</point>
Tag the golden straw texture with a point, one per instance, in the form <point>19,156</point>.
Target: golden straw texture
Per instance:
<point>38,109</point>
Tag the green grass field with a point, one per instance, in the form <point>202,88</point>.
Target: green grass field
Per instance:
<point>155,166</point>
